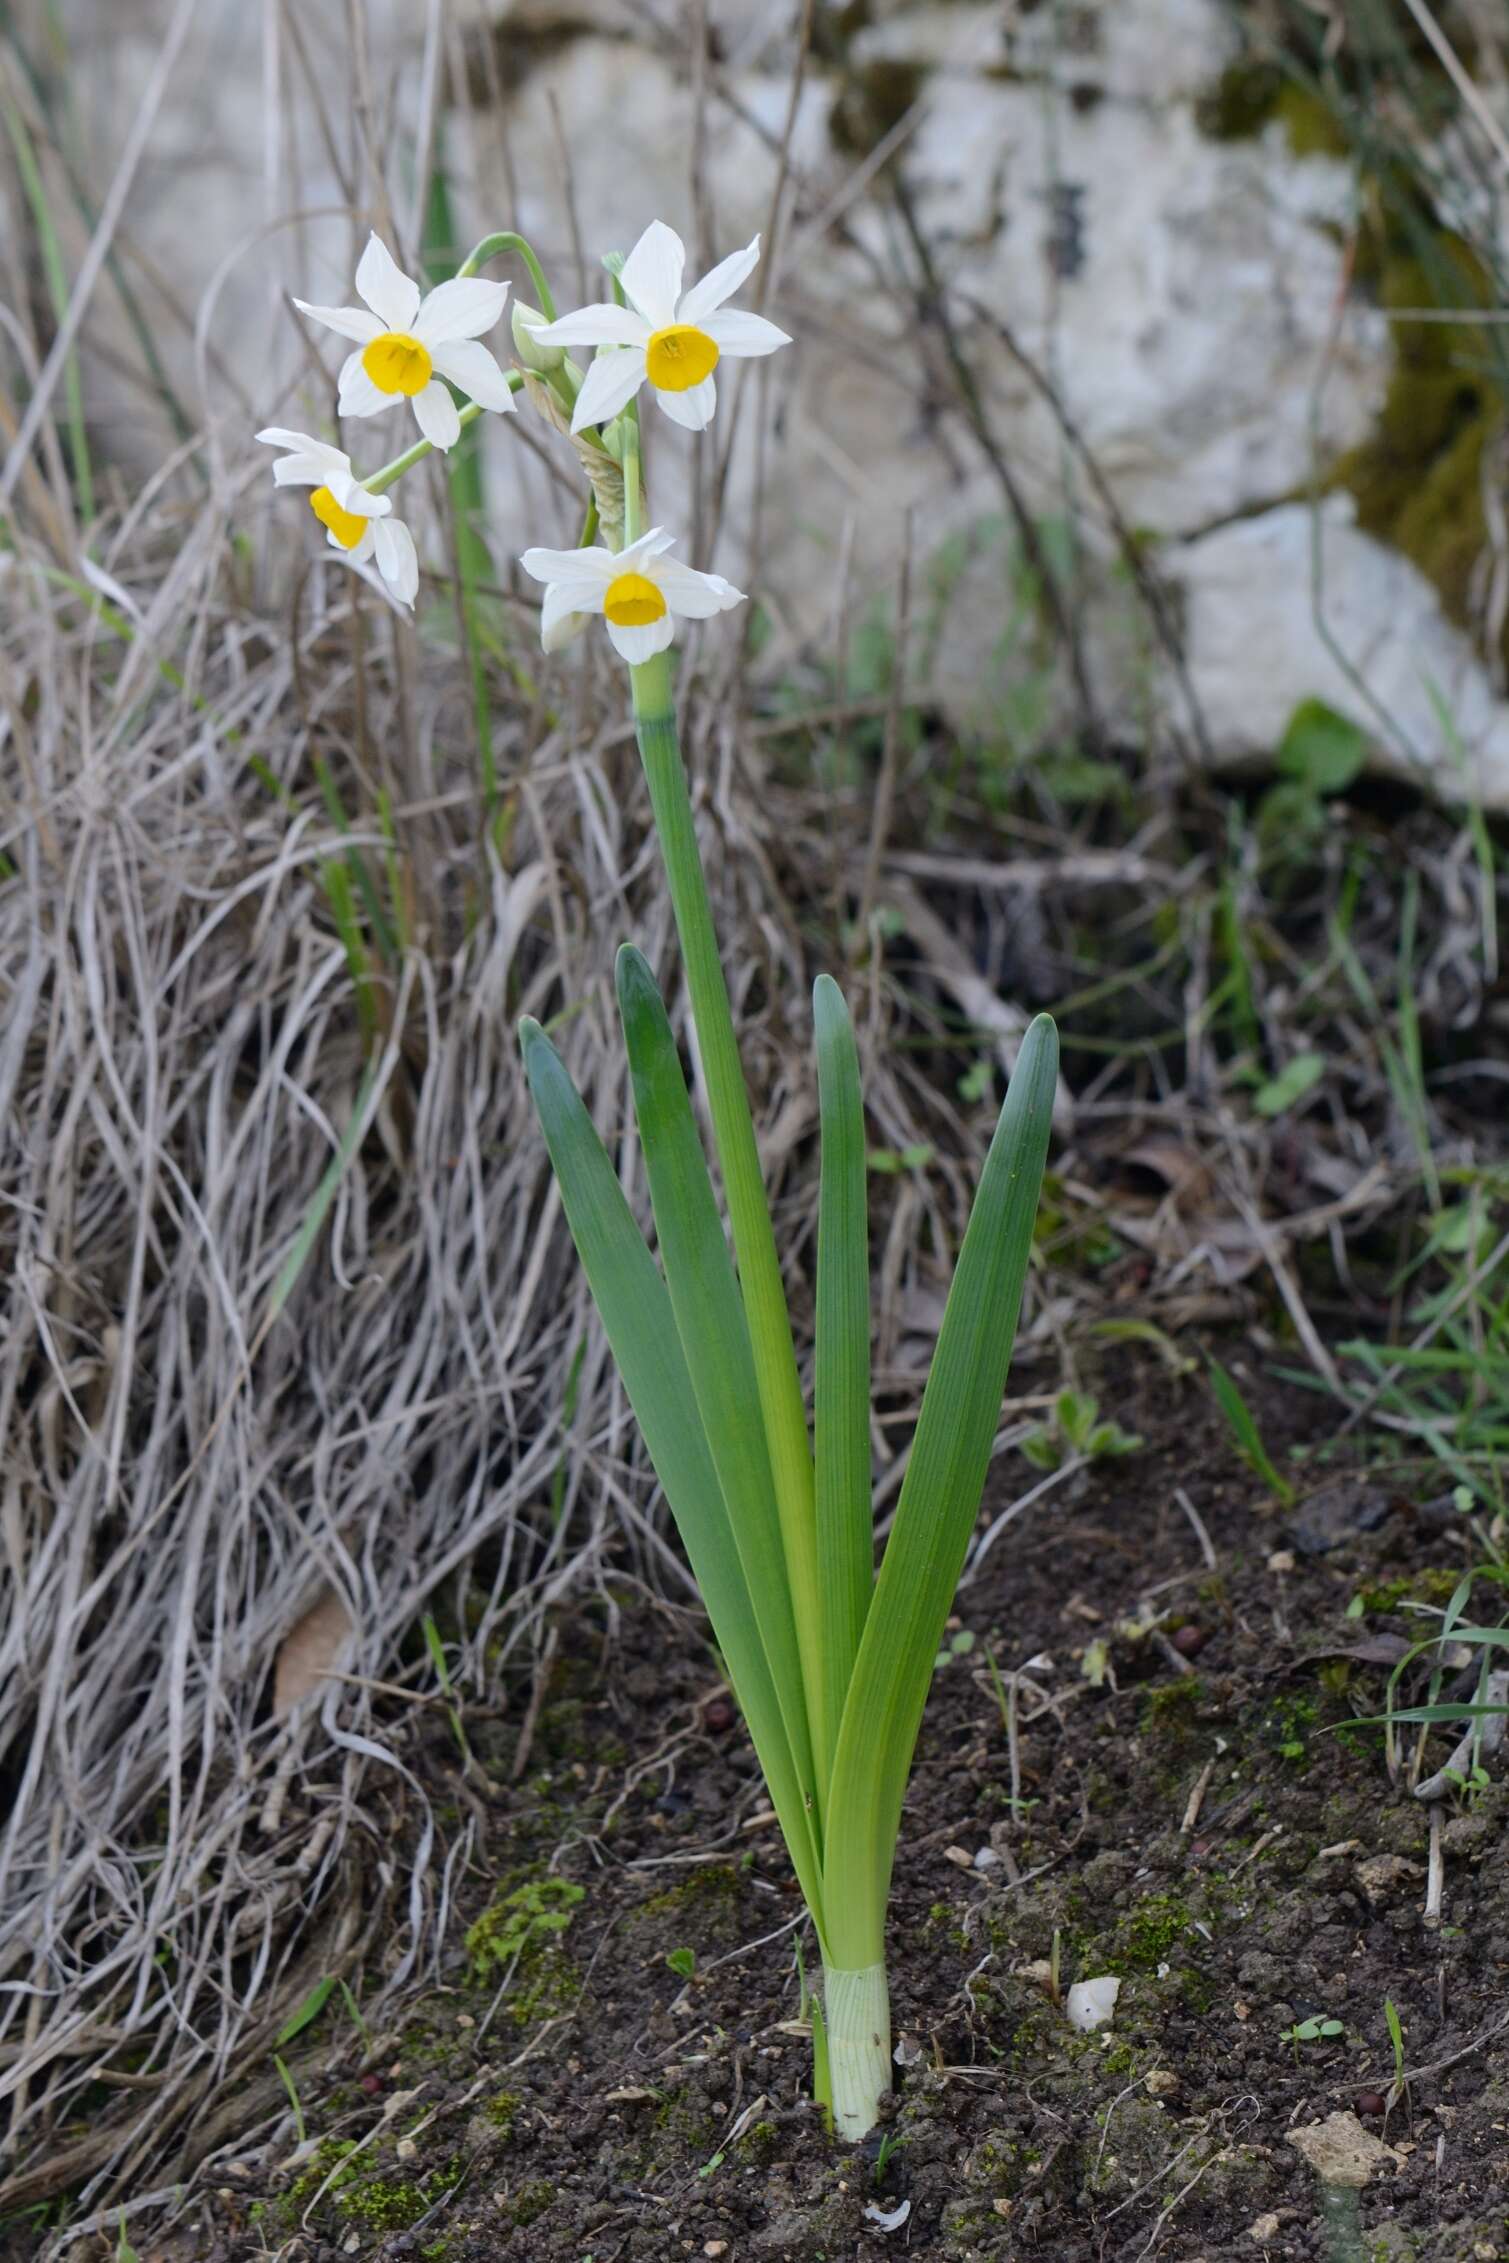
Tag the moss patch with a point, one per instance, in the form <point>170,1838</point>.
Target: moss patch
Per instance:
<point>520,1932</point>
<point>1418,480</point>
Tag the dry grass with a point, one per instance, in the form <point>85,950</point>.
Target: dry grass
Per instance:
<point>289,1313</point>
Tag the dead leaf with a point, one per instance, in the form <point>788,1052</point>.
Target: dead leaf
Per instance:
<point>312,1650</point>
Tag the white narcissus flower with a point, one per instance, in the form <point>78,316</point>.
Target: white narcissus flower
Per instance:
<point>406,344</point>
<point>357,523</point>
<point>639,591</point>
<point>674,338</point>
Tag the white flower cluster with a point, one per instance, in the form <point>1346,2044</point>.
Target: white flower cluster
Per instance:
<point>414,346</point>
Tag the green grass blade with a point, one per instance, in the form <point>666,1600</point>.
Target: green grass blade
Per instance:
<point>704,1293</point>
<point>319,1209</point>
<point>308,2012</point>
<point>635,1308</point>
<point>55,271</point>
<point>1243,1427</point>
<point>841,1383</point>
<point>940,1499</point>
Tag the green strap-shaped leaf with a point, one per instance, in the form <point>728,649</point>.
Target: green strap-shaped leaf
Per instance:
<point>940,1498</point>
<point>841,1382</point>
<point>637,1317</point>
<point>709,1312</point>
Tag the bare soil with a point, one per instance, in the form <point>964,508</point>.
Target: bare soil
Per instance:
<point>568,2096</point>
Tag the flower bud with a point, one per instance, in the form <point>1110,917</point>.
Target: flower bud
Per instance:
<point>526,320</point>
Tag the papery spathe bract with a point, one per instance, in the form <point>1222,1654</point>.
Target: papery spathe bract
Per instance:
<point>357,523</point>
<point>407,342</point>
<point>639,591</point>
<point>670,337</point>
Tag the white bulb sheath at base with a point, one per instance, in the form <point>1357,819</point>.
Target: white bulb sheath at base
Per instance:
<point>857,2013</point>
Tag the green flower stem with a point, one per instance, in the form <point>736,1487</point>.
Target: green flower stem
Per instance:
<point>506,240</point>
<point>628,456</point>
<point>776,1374</point>
<point>377,482</point>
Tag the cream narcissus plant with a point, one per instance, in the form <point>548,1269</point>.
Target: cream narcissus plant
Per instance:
<point>358,523</point>
<point>639,591</point>
<point>830,1660</point>
<point>408,342</point>
<point>670,338</point>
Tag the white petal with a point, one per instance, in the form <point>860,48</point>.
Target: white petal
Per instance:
<point>353,497</point>
<point>744,334</point>
<point>437,414</point>
<point>397,559</point>
<point>302,443</point>
<point>566,601</point>
<point>650,544</point>
<point>462,308</point>
<point>562,631</point>
<point>718,284</point>
<point>594,566</point>
<point>385,287</point>
<point>358,395</point>
<point>360,549</point>
<point>474,369</point>
<point>638,645</point>
<point>614,378</point>
<point>350,321</point>
<point>696,597</point>
<point>693,408</point>
<point>300,471</point>
<point>651,277</point>
<point>595,326</point>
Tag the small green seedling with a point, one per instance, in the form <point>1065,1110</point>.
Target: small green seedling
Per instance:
<point>436,1650</point>
<point>1472,1784</point>
<point>683,1962</point>
<point>1399,2087</point>
<point>1316,2030</point>
<point>293,2097</point>
<point>890,2142</point>
<point>1076,1433</point>
<point>1245,1431</point>
<point>958,1645</point>
<point>124,2251</point>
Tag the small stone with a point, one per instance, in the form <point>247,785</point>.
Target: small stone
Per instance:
<point>1282,1560</point>
<point>715,2247</point>
<point>372,2084</point>
<point>1370,2102</point>
<point>464,2019</point>
<point>1243,2011</point>
<point>1189,1641</point>
<point>1383,1874</point>
<point>1001,2207</point>
<point>1161,2083</point>
<point>406,2149</point>
<point>986,1858</point>
<point>1092,2003</point>
<point>1484,2251</point>
<point>960,1857</point>
<point>1341,2151</point>
<point>718,1716</point>
<point>1263,2229</point>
